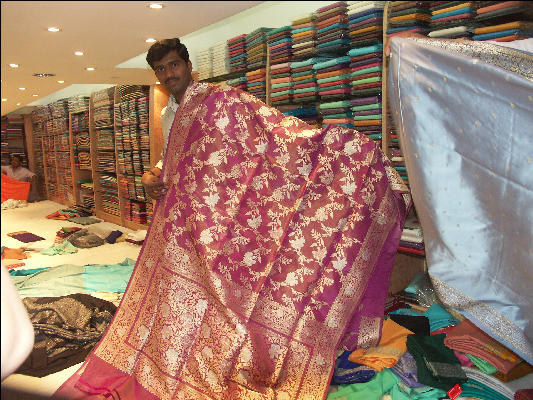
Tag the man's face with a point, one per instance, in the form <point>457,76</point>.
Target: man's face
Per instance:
<point>15,162</point>
<point>173,73</point>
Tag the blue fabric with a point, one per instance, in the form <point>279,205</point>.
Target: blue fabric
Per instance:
<point>332,62</point>
<point>361,16</point>
<point>347,372</point>
<point>452,13</point>
<point>366,50</point>
<point>331,27</point>
<point>284,40</point>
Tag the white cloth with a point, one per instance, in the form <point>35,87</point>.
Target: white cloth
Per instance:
<point>20,174</point>
<point>167,118</point>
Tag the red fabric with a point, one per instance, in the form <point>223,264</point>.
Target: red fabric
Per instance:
<point>13,189</point>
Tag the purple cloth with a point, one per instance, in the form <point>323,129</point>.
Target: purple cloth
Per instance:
<point>367,61</point>
<point>405,369</point>
<point>368,112</point>
<point>333,68</point>
<point>27,237</point>
<point>365,100</point>
<point>331,6</point>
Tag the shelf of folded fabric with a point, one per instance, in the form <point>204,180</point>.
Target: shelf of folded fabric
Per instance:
<point>503,21</point>
<point>332,34</point>
<point>13,139</point>
<point>204,59</point>
<point>365,21</point>
<point>303,35</point>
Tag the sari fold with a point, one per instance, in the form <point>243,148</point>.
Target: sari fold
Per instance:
<point>272,248</point>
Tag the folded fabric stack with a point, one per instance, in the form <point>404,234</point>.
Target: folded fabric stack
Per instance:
<point>281,84</point>
<point>78,104</point>
<point>410,16</point>
<point>237,53</point>
<point>204,58</point>
<point>365,22</point>
<point>338,113</point>
<point>220,58</point>
<point>332,29</point>
<point>256,48</point>
<point>304,85</point>
<point>308,114</point>
<point>505,32</point>
<point>452,19</point>
<point>280,45</point>
<point>368,107</point>
<point>135,211</point>
<point>239,83</point>
<point>303,31</point>
<point>87,193</point>
<point>492,18</point>
<point>333,78</point>
<point>484,386</point>
<point>412,239</point>
<point>109,194</point>
<point>256,83</point>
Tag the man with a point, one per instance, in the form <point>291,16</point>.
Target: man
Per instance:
<point>271,247</point>
<point>17,171</point>
<point>170,61</point>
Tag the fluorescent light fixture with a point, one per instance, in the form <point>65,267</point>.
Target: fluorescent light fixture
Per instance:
<point>14,65</point>
<point>90,68</point>
<point>18,104</point>
<point>35,95</point>
<point>150,40</point>
<point>53,29</point>
<point>22,88</point>
<point>156,6</point>
<point>60,81</point>
<point>78,53</point>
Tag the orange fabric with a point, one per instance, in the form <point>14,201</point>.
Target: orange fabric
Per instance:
<point>13,189</point>
<point>333,73</point>
<point>392,345</point>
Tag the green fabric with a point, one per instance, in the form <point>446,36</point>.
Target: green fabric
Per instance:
<point>374,389</point>
<point>365,117</point>
<point>284,75</point>
<point>306,90</point>
<point>367,80</point>
<point>342,86</point>
<point>279,85</point>
<point>61,248</point>
<point>473,388</point>
<point>336,104</point>
<point>84,220</point>
<point>308,80</point>
<point>437,366</point>
<point>366,107</point>
<point>297,74</point>
<point>403,392</point>
<point>343,115</point>
<point>366,71</point>
<point>278,94</point>
<point>482,364</point>
<point>334,78</point>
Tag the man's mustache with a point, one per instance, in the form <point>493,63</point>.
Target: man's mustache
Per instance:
<point>171,79</point>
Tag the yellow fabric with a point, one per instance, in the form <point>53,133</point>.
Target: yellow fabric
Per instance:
<point>423,17</point>
<point>392,345</point>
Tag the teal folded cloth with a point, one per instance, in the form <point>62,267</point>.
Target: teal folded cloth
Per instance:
<point>310,61</point>
<point>330,63</point>
<point>374,389</point>
<point>365,50</point>
<point>334,78</point>
<point>366,71</point>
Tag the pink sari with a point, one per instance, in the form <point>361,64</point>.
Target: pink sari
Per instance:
<point>272,248</point>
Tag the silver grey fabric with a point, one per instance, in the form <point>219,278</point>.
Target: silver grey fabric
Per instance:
<point>464,115</point>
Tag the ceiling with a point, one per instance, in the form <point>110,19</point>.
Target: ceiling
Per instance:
<point>109,33</point>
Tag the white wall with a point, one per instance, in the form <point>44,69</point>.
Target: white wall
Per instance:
<point>270,14</point>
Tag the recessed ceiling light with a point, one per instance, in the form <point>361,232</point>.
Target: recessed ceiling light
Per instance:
<point>150,40</point>
<point>4,99</point>
<point>14,65</point>
<point>78,53</point>
<point>43,75</point>
<point>158,83</point>
<point>35,95</point>
<point>90,68</point>
<point>156,5</point>
<point>53,29</point>
<point>22,88</point>
<point>18,104</point>
<point>60,81</point>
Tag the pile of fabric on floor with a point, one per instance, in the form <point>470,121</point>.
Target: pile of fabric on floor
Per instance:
<point>427,352</point>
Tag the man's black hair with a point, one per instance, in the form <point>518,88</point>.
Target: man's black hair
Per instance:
<point>162,47</point>
<point>19,156</point>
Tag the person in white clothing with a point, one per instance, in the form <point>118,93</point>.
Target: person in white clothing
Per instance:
<point>17,171</point>
<point>169,59</point>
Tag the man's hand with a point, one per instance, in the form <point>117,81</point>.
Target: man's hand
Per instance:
<point>153,185</point>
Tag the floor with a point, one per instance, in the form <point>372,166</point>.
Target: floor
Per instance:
<point>33,219</point>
